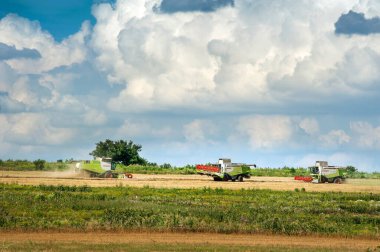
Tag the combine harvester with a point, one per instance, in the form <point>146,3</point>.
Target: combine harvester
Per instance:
<point>224,170</point>
<point>322,173</point>
<point>106,165</point>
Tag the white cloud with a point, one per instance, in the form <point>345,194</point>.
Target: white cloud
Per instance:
<point>22,33</point>
<point>143,129</point>
<point>34,129</point>
<point>335,138</point>
<point>94,117</point>
<point>235,56</point>
<point>310,126</point>
<point>199,131</point>
<point>7,77</point>
<point>266,131</point>
<point>367,136</point>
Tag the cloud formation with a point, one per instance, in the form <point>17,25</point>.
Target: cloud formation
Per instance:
<point>196,83</point>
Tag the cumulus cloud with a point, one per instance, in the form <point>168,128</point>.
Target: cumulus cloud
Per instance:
<point>199,131</point>
<point>21,33</point>
<point>7,105</point>
<point>138,129</point>
<point>310,126</point>
<point>367,135</point>
<point>34,129</point>
<point>232,56</point>
<point>335,138</point>
<point>266,131</point>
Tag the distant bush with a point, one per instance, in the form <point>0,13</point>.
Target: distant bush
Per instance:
<point>39,164</point>
<point>26,165</point>
<point>279,172</point>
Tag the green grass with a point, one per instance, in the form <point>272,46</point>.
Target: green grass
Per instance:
<point>26,165</point>
<point>196,210</point>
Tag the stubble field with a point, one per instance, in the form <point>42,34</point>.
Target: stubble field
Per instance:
<point>184,181</point>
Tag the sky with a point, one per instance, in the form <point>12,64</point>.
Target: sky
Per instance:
<point>271,82</point>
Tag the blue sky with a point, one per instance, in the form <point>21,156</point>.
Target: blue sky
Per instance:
<point>192,81</point>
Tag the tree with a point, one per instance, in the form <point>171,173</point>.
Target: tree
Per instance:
<point>351,169</point>
<point>125,152</point>
<point>39,164</point>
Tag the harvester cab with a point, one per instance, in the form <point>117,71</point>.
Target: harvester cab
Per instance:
<point>107,164</point>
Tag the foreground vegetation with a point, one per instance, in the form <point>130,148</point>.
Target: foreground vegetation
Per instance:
<point>200,210</point>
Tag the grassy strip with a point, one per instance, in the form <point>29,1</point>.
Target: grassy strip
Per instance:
<point>26,165</point>
<point>145,247</point>
<point>201,210</point>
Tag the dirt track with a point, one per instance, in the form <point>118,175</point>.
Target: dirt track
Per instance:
<point>184,181</point>
<point>191,238</point>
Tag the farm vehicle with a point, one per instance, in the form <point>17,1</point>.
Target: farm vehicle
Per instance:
<point>103,168</point>
<point>323,173</point>
<point>224,170</point>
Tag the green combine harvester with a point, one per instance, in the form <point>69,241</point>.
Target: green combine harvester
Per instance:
<point>224,170</point>
<point>103,168</point>
<point>323,173</point>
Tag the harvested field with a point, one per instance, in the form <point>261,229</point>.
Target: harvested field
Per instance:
<point>190,240</point>
<point>184,181</point>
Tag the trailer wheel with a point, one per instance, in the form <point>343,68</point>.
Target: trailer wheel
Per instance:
<point>240,178</point>
<point>129,175</point>
<point>337,181</point>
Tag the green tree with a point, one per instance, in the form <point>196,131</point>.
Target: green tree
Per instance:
<point>39,164</point>
<point>125,152</point>
<point>351,169</point>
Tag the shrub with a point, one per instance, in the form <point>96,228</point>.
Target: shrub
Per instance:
<point>39,164</point>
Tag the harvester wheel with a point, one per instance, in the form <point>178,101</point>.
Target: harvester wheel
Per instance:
<point>217,179</point>
<point>338,181</point>
<point>128,175</point>
<point>323,179</point>
<point>240,179</point>
<point>108,174</point>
